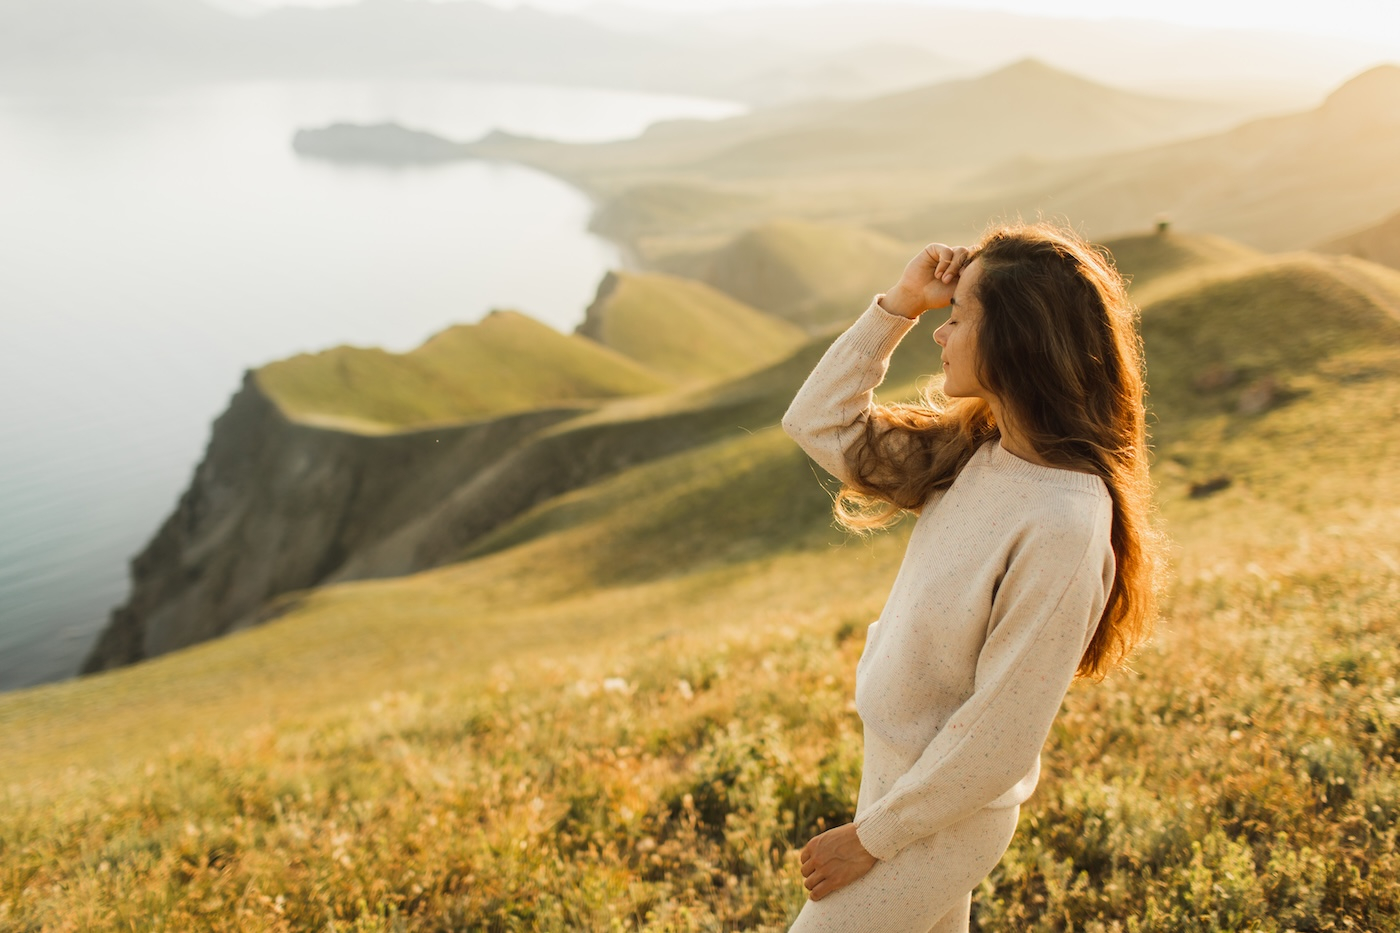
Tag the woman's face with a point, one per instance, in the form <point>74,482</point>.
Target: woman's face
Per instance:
<point>958,338</point>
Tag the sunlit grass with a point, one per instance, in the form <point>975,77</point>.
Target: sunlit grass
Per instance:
<point>632,705</point>
<point>506,362</point>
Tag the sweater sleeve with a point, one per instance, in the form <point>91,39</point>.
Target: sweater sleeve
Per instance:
<point>830,410</point>
<point>1040,625</point>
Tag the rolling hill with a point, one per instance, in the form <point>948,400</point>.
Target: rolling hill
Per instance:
<point>809,273</point>
<point>507,362</point>
<point>1024,109</point>
<point>1278,183</point>
<point>684,329</point>
<point>858,162</point>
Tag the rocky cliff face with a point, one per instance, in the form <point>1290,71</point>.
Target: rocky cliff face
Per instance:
<point>277,506</point>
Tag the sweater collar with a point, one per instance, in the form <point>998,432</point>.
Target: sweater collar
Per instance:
<point>1005,462</point>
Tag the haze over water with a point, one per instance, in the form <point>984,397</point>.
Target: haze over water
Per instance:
<point>157,244</point>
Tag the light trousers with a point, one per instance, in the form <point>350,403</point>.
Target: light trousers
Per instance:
<point>927,886</point>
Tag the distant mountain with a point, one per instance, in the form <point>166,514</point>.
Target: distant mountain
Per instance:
<point>1379,243</point>
<point>868,70</point>
<point>1025,109</point>
<point>1281,69</point>
<point>183,39</point>
<point>179,39</point>
<point>769,55</point>
<point>1276,183</point>
<point>859,162</point>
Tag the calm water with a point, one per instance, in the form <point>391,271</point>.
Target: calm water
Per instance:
<point>155,245</point>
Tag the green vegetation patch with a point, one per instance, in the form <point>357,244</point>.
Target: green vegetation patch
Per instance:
<point>685,329</point>
<point>813,274</point>
<point>1147,257</point>
<point>507,362</point>
<point>1241,341</point>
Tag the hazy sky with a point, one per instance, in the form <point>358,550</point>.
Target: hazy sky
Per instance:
<point>1375,21</point>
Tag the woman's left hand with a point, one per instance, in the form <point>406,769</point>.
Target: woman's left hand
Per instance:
<point>833,860</point>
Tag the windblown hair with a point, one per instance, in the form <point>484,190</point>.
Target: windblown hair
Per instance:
<point>1059,347</point>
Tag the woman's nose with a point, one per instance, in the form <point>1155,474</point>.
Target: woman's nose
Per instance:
<point>939,337</point>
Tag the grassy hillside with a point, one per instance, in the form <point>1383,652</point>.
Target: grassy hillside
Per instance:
<point>1379,243</point>
<point>506,362</point>
<point>814,274</point>
<point>1147,258</point>
<point>629,708</point>
<point>684,329</point>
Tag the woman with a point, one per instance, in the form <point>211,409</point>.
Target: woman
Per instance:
<point>1030,562</point>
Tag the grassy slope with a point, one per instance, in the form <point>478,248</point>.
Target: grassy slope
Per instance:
<point>1148,258</point>
<point>506,362</point>
<point>451,746</point>
<point>814,274</point>
<point>685,329</point>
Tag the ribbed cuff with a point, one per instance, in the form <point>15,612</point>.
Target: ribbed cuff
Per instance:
<point>882,833</point>
<point>877,332</point>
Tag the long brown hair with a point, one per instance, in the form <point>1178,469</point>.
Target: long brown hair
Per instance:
<point>1058,345</point>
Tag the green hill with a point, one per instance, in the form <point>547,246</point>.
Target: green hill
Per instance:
<point>1146,258</point>
<point>812,274</point>
<point>684,329</point>
<point>1379,243</point>
<point>1264,330</point>
<point>506,362</point>
<point>629,705</point>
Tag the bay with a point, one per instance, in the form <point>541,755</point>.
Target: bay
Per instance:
<point>155,244</point>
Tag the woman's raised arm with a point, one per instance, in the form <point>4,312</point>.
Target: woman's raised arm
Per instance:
<point>830,412</point>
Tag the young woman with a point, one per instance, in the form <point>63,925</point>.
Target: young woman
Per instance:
<point>1031,559</point>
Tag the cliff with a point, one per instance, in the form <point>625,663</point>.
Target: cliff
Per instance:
<point>278,506</point>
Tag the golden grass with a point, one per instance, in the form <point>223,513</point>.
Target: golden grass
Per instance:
<point>633,706</point>
<point>809,273</point>
<point>686,330</point>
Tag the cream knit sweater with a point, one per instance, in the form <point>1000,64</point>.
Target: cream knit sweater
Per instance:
<point>1005,575</point>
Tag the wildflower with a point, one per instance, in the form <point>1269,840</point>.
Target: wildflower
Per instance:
<point>615,685</point>
<point>685,690</point>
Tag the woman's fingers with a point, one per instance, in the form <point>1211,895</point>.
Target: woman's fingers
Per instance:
<point>956,261</point>
<point>946,261</point>
<point>940,255</point>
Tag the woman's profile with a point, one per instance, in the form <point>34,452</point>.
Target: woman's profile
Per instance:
<point>1030,562</point>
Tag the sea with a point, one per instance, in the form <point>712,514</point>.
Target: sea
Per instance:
<point>157,243</point>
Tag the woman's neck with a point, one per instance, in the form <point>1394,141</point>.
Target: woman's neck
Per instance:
<point>1012,441</point>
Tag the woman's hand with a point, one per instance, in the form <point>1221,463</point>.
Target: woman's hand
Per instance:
<point>833,860</point>
<point>927,282</point>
